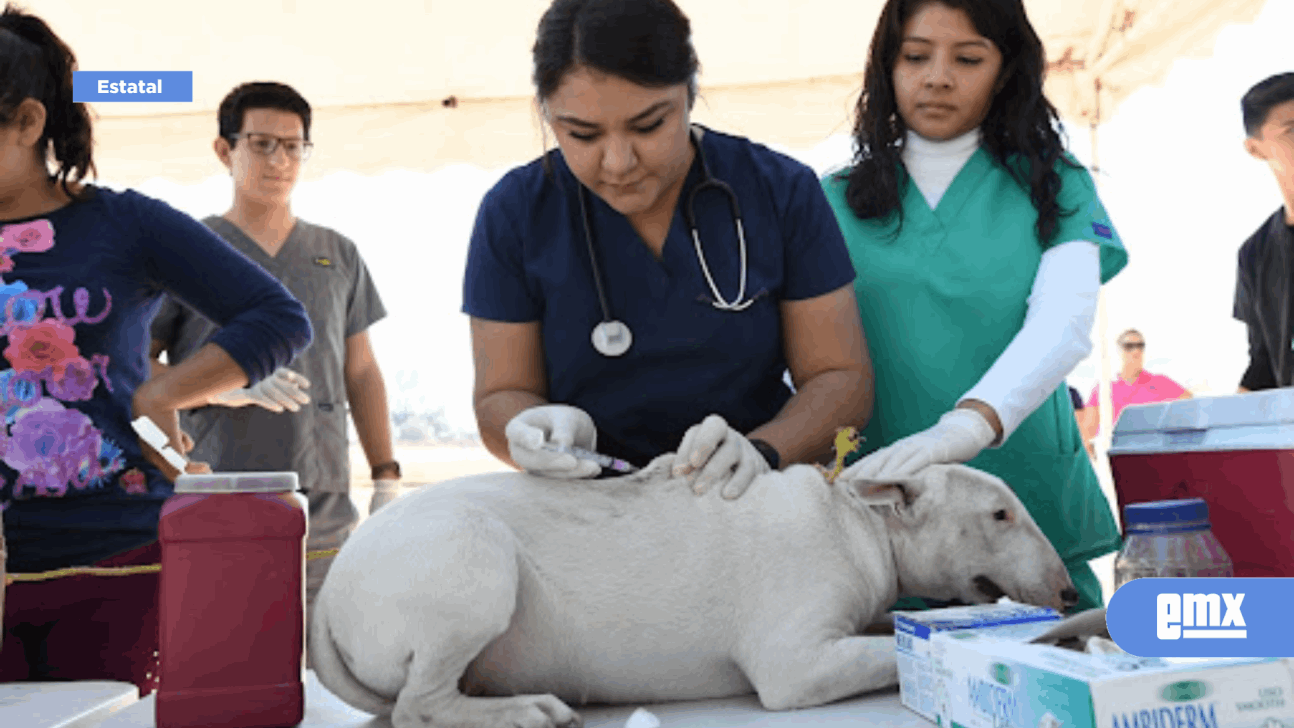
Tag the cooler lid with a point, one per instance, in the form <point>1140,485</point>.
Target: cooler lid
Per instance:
<point>1270,407</point>
<point>237,483</point>
<point>1252,421</point>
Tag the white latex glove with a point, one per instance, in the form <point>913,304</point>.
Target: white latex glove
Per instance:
<point>384,491</point>
<point>723,455</point>
<point>280,390</point>
<point>558,424</point>
<point>959,436</point>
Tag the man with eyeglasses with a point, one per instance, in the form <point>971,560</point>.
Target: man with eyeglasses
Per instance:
<point>1134,385</point>
<point>295,420</point>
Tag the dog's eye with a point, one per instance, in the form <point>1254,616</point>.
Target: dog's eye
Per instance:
<point>1001,515</point>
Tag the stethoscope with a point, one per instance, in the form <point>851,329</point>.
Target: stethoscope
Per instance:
<point>612,337</point>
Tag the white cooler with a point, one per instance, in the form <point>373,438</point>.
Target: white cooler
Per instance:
<point>1236,452</point>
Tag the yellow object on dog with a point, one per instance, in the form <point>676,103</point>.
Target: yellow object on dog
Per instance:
<point>848,441</point>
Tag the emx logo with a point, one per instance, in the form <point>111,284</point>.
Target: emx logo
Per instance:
<point>1199,616</point>
<point>1203,617</point>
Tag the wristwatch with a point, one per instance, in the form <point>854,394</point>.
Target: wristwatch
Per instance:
<point>378,469</point>
<point>768,452</point>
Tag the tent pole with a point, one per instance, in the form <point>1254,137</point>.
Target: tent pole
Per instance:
<point>1103,566</point>
<point>1102,333</point>
<point>1104,400</point>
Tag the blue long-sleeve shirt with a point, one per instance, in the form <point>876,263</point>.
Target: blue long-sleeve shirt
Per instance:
<point>78,289</point>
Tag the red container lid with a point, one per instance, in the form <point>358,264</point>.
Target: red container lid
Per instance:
<point>237,483</point>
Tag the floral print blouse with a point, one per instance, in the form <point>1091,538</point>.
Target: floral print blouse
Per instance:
<point>78,289</point>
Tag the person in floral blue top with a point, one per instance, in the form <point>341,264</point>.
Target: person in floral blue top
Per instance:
<point>82,271</point>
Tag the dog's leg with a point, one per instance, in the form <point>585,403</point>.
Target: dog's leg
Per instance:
<point>789,670</point>
<point>439,704</point>
<point>475,597</point>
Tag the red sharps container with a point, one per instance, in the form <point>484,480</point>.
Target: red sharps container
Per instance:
<point>232,602</point>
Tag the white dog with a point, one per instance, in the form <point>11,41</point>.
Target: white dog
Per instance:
<point>488,601</point>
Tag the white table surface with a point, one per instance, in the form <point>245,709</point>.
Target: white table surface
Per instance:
<point>80,704</point>
<point>877,710</point>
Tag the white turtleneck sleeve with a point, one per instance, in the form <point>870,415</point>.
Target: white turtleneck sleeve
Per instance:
<point>1056,336</point>
<point>1057,330</point>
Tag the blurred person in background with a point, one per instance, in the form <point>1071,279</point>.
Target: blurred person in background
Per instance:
<point>1134,385</point>
<point>1263,291</point>
<point>296,419</point>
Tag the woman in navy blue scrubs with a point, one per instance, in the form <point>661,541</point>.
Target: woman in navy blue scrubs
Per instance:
<point>600,320</point>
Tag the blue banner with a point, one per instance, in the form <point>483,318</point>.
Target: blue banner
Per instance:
<point>1203,617</point>
<point>100,86</point>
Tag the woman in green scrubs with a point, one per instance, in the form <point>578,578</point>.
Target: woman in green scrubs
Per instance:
<point>980,247</point>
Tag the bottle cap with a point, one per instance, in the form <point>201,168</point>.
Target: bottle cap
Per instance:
<point>1166,512</point>
<point>237,483</point>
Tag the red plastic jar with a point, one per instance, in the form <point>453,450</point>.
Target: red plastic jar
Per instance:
<point>232,602</point>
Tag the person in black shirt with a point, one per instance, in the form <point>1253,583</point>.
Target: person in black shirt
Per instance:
<point>1264,295</point>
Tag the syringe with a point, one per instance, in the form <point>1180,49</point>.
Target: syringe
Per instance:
<point>605,461</point>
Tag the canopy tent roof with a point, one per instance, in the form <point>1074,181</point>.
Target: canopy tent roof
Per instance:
<point>784,72</point>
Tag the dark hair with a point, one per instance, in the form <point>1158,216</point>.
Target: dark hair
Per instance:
<point>36,64</point>
<point>1130,331</point>
<point>1259,101</point>
<point>647,42</point>
<point>1020,131</point>
<point>260,95</point>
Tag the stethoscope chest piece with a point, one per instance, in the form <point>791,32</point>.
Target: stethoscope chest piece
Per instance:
<point>612,338</point>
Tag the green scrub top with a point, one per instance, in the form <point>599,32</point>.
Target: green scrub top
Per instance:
<point>942,301</point>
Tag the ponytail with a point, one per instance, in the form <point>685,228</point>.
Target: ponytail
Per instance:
<point>36,64</point>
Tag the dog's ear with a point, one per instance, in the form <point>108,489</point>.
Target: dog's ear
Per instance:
<point>897,491</point>
<point>900,494</point>
<point>881,493</point>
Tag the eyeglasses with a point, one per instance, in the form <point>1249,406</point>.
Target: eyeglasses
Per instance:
<point>1133,345</point>
<point>266,144</point>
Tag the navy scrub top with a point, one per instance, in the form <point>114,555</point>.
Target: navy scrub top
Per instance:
<point>529,261</point>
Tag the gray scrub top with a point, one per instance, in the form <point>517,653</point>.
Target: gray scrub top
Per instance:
<point>324,270</point>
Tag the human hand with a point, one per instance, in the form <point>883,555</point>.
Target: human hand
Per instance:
<point>558,424</point>
<point>723,456</point>
<point>277,392</point>
<point>959,436</point>
<point>384,491</point>
<point>150,401</point>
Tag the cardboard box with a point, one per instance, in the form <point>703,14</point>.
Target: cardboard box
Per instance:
<point>986,681</point>
<point>913,630</point>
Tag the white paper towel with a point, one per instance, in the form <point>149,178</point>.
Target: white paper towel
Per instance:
<point>642,719</point>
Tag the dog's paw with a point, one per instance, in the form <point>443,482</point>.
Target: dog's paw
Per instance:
<point>523,711</point>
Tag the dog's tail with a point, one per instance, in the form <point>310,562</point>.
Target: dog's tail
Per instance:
<point>333,672</point>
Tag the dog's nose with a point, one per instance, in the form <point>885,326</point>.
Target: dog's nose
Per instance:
<point>1069,596</point>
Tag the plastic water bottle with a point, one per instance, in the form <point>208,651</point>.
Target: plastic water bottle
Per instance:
<point>232,602</point>
<point>1169,538</point>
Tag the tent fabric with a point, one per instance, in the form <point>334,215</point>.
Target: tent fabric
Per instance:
<point>785,72</point>
<point>1125,44</point>
<point>488,133</point>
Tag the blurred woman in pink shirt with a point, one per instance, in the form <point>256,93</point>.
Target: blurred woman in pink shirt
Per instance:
<point>1134,385</point>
